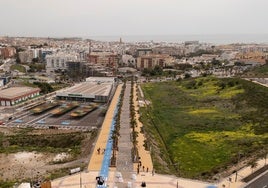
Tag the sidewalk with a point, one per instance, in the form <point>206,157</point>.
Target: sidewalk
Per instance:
<point>145,155</point>
<point>244,172</point>
<point>167,181</point>
<point>97,156</point>
<point>82,179</point>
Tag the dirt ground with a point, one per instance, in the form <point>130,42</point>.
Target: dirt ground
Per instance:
<point>23,165</point>
<point>35,165</point>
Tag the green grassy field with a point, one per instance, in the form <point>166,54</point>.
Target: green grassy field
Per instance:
<point>204,124</point>
<point>18,67</point>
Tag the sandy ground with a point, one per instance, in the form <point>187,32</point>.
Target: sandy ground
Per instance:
<point>23,165</point>
<point>34,165</point>
<point>146,160</point>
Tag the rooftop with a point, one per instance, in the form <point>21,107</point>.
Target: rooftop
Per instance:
<point>156,56</point>
<point>88,89</point>
<point>14,92</point>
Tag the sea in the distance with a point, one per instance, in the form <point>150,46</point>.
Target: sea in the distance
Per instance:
<point>214,39</point>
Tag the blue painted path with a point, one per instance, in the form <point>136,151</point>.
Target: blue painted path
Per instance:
<point>104,172</point>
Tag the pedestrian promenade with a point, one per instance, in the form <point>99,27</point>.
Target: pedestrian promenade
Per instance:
<point>124,164</point>
<point>145,156</point>
<point>97,156</point>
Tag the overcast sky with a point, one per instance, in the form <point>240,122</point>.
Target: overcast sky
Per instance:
<point>58,18</point>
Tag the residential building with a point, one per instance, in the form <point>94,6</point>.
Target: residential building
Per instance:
<point>58,62</point>
<point>128,60</point>
<point>151,60</point>
<point>26,56</point>
<point>7,52</point>
<point>143,51</point>
<point>107,59</point>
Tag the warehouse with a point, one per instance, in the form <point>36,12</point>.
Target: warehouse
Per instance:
<point>97,89</point>
<point>15,95</point>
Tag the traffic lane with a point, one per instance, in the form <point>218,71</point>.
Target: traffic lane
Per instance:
<point>261,182</point>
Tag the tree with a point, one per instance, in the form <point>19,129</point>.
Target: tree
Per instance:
<point>18,60</point>
<point>187,75</point>
<point>45,87</point>
<point>184,66</point>
<point>237,63</point>
<point>35,60</point>
<point>215,62</point>
<point>253,165</point>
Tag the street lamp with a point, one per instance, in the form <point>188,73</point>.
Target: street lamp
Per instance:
<point>239,155</point>
<point>177,167</point>
<point>81,174</point>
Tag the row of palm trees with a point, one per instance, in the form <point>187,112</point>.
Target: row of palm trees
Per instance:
<point>115,133</point>
<point>133,122</point>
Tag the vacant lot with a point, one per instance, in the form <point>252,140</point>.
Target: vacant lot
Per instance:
<point>205,125</point>
<point>31,154</point>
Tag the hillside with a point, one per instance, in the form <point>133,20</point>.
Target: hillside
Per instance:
<point>205,125</point>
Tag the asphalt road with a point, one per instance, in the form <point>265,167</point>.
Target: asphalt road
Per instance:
<point>261,182</point>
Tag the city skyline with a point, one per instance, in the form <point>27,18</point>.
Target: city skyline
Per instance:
<point>84,18</point>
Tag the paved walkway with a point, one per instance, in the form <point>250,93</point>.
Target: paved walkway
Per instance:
<point>145,155</point>
<point>124,163</point>
<point>97,157</point>
<point>244,172</point>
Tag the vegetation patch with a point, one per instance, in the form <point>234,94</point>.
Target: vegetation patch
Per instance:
<point>25,140</point>
<point>203,111</point>
<point>18,67</point>
<point>202,124</point>
<point>258,72</point>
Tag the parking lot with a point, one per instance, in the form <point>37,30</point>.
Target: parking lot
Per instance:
<point>46,120</point>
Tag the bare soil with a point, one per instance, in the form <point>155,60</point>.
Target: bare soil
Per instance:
<point>36,165</point>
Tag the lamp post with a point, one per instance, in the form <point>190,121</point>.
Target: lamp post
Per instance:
<point>177,167</point>
<point>266,154</point>
<point>239,154</point>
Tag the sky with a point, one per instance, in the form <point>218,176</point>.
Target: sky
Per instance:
<point>81,18</point>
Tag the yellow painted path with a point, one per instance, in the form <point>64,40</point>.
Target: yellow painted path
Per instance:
<point>145,155</point>
<point>97,157</point>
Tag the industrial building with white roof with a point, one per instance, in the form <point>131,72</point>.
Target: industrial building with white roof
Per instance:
<point>96,89</point>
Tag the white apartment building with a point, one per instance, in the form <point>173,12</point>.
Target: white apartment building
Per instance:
<point>59,61</point>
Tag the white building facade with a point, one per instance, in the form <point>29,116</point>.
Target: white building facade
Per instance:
<point>58,62</point>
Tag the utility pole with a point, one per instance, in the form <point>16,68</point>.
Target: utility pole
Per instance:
<point>239,155</point>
